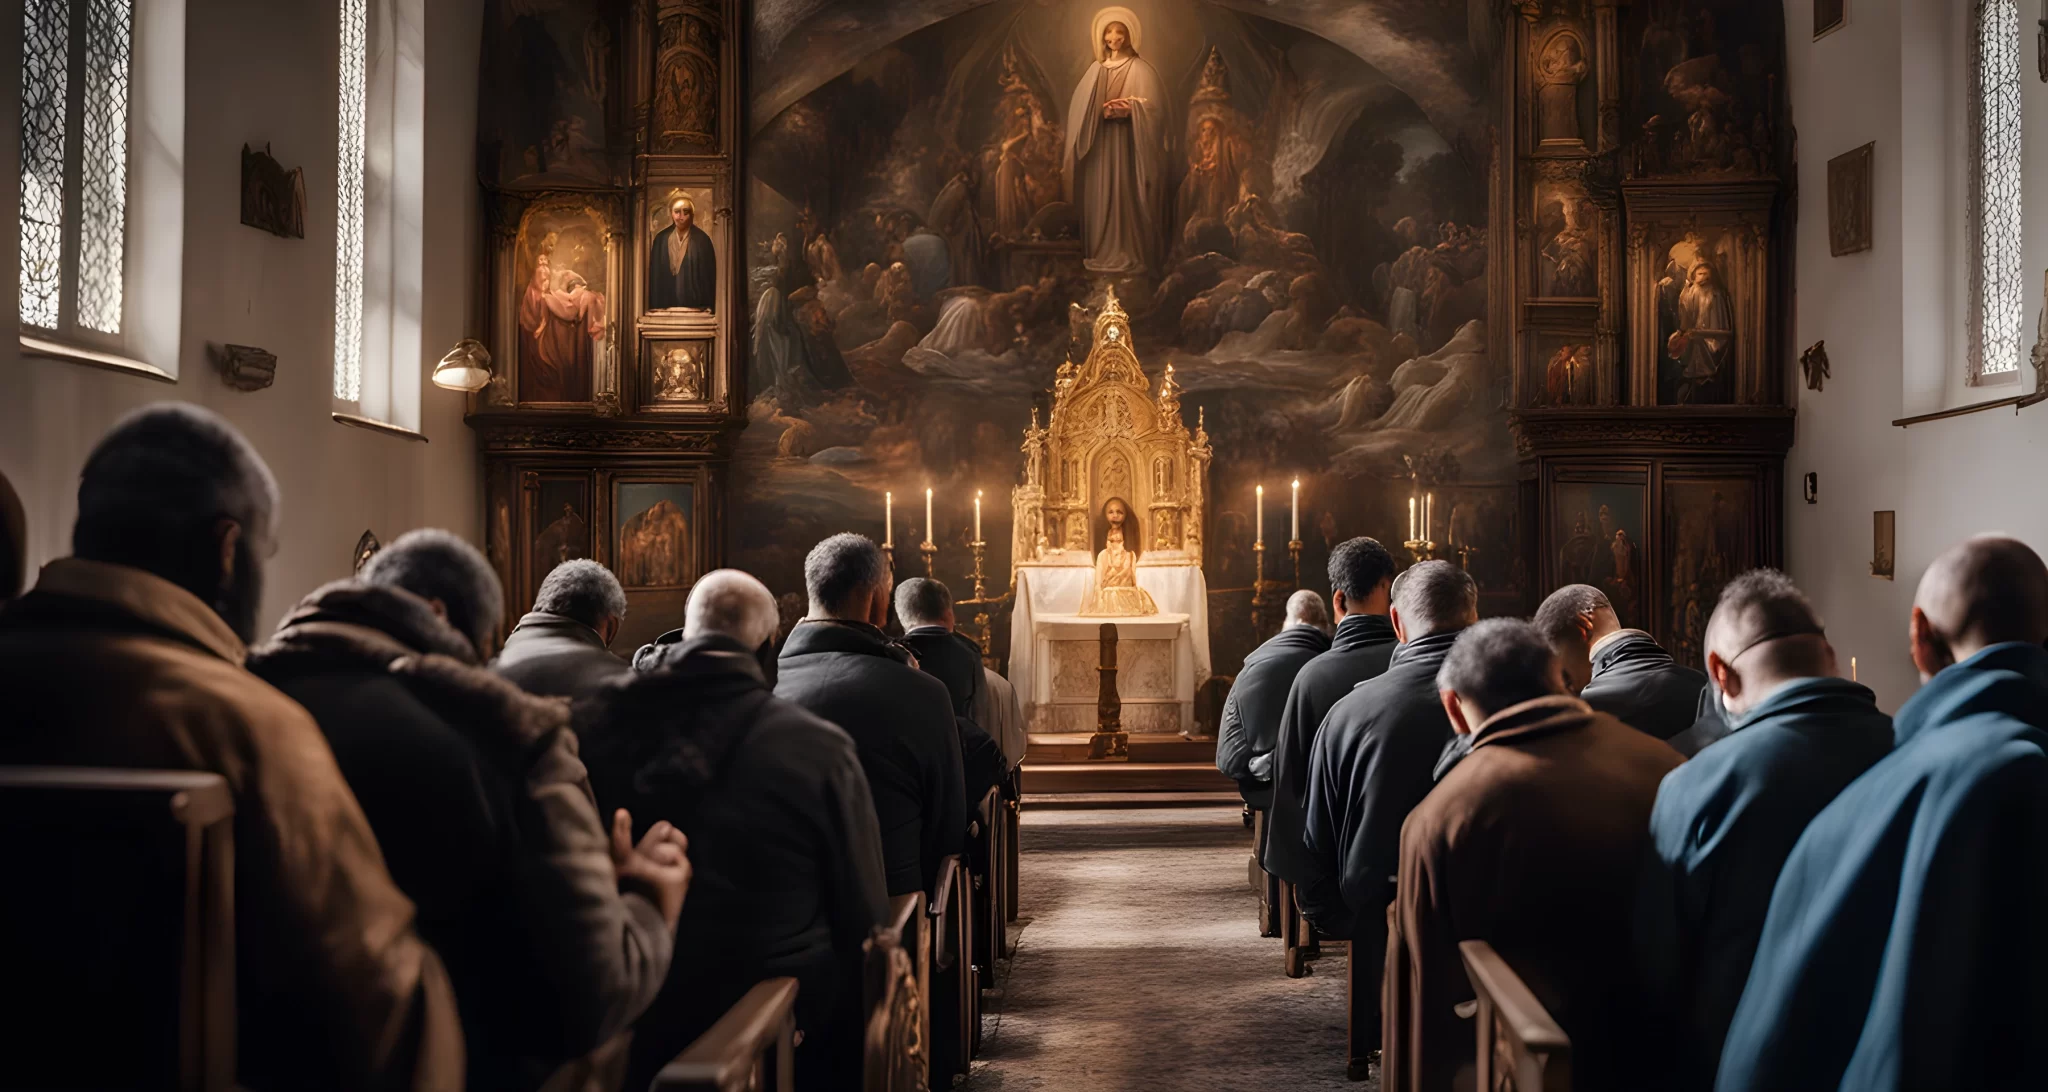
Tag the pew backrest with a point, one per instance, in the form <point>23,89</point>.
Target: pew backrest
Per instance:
<point>750,1049</point>
<point>120,925</point>
<point>1521,1048</point>
<point>894,1051</point>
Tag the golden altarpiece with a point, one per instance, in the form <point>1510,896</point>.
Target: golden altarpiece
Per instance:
<point>1108,527</point>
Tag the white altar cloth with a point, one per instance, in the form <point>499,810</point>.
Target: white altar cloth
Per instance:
<point>1051,592</point>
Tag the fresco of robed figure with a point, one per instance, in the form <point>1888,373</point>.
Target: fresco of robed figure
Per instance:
<point>682,270</point>
<point>1117,129</point>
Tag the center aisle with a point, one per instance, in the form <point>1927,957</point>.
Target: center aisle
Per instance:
<point>1140,968</point>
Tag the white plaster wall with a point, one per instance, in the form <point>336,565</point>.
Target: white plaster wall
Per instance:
<point>1891,321</point>
<point>257,71</point>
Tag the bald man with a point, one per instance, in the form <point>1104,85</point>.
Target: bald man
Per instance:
<point>782,830</point>
<point>1251,715</point>
<point>1904,945</point>
<point>1725,822</point>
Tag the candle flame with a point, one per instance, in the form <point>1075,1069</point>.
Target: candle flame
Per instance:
<point>1297,483</point>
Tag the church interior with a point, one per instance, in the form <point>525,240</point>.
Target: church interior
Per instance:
<point>1024,544</point>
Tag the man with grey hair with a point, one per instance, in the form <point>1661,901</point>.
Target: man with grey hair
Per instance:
<point>478,801</point>
<point>1531,844</point>
<point>1725,822</point>
<point>1904,931</point>
<point>130,653</point>
<point>1250,725</point>
<point>925,607</point>
<point>839,664</point>
<point>780,821</point>
<point>1372,760</point>
<point>1616,669</point>
<point>562,647</point>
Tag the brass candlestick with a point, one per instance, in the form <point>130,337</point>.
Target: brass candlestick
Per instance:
<point>1258,575</point>
<point>1294,551</point>
<point>889,559</point>
<point>1421,549</point>
<point>979,547</point>
<point>1465,553</point>
<point>930,550</point>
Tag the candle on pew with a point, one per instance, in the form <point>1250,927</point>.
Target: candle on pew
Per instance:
<point>1294,514</point>
<point>1261,506</point>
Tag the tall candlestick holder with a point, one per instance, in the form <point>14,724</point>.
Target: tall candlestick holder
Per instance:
<point>1294,552</point>
<point>889,559</point>
<point>1421,549</point>
<point>1465,553</point>
<point>1258,574</point>
<point>930,550</point>
<point>979,547</point>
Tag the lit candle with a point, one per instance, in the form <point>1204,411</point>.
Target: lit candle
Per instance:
<point>1852,669</point>
<point>928,515</point>
<point>1261,507</point>
<point>1411,519</point>
<point>888,519</point>
<point>1428,514</point>
<point>977,515</point>
<point>1294,513</point>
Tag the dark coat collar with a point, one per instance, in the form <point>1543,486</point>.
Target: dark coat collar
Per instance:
<point>2007,678</point>
<point>1527,720</point>
<point>559,625</point>
<point>1358,630</point>
<point>817,635</point>
<point>1808,697</point>
<point>1629,646</point>
<point>1433,647</point>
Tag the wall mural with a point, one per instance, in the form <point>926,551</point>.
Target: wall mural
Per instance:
<point>933,233</point>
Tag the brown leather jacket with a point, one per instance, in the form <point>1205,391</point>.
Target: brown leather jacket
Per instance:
<point>105,665</point>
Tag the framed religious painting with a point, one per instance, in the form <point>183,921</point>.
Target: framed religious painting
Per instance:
<point>555,525</point>
<point>557,274</point>
<point>686,253</point>
<point>1566,249</point>
<point>1559,91</point>
<point>690,106</point>
<point>1712,532</point>
<point>1699,301</point>
<point>659,529</point>
<point>678,375</point>
<point>1599,534</point>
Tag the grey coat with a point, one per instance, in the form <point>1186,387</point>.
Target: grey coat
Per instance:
<point>557,656</point>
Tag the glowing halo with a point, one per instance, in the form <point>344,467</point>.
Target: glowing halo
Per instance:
<point>1116,14</point>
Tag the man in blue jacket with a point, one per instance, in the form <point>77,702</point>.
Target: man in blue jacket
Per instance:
<point>1724,822</point>
<point>1903,948</point>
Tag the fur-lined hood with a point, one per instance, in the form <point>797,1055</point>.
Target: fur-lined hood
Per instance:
<point>348,625</point>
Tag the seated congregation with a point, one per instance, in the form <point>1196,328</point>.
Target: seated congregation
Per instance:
<point>1559,859</point>
<point>372,850</point>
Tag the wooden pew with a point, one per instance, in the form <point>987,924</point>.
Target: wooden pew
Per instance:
<point>1013,809</point>
<point>1521,1049</point>
<point>988,855</point>
<point>953,989</point>
<point>1396,1052</point>
<point>750,1049</point>
<point>894,1058</point>
<point>1267,884</point>
<point>1298,943</point>
<point>120,906</point>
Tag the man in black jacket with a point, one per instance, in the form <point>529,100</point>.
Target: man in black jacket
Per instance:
<point>839,664</point>
<point>1361,572</point>
<point>556,935</point>
<point>781,826</point>
<point>926,609</point>
<point>1251,714</point>
<point>1373,762</point>
<point>561,648</point>
<point>1621,672</point>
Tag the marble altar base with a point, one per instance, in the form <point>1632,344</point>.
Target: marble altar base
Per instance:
<point>1155,675</point>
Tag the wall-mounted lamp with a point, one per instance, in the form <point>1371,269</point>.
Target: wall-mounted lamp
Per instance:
<point>467,367</point>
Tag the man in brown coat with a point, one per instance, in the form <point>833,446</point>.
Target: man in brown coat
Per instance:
<point>129,653</point>
<point>1531,844</point>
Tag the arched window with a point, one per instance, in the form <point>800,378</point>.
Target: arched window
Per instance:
<point>96,228</point>
<point>379,187</point>
<point>1997,296</point>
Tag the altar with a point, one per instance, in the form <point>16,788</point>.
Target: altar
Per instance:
<point>1109,528</point>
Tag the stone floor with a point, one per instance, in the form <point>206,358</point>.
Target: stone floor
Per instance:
<point>1139,967</point>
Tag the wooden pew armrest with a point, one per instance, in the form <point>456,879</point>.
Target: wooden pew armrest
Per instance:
<point>1525,1016</point>
<point>724,1057</point>
<point>902,911</point>
<point>942,888</point>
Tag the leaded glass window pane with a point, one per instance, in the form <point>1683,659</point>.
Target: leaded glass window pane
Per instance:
<point>348,227</point>
<point>103,172</point>
<point>45,70</point>
<point>1996,303</point>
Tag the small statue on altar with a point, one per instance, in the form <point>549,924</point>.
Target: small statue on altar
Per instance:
<point>1115,591</point>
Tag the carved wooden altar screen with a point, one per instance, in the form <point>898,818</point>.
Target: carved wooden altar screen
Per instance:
<point>615,293</point>
<point>1643,183</point>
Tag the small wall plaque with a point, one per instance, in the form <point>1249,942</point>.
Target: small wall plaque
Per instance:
<point>1882,525</point>
<point>246,367</point>
<point>1849,201</point>
<point>273,198</point>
